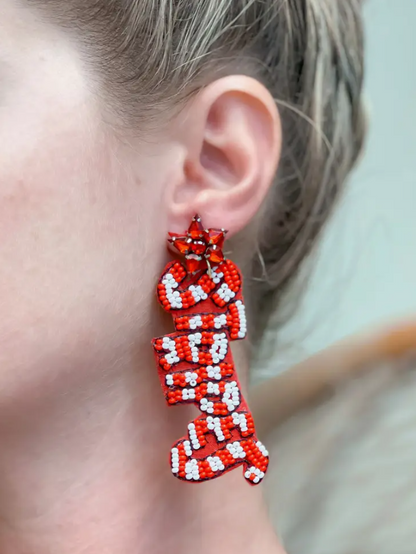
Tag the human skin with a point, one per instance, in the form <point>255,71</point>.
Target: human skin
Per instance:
<point>84,214</point>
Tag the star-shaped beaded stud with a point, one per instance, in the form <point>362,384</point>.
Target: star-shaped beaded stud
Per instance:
<point>201,247</point>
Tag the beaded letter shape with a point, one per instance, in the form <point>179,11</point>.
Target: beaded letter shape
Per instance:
<point>195,363</point>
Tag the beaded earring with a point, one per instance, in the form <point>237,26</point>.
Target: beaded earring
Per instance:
<point>195,363</point>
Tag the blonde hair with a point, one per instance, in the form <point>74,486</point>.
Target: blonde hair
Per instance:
<point>152,54</point>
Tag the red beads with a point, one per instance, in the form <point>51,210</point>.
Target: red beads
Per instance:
<point>195,362</point>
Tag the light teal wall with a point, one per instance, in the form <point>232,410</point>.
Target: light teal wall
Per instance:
<point>366,271</point>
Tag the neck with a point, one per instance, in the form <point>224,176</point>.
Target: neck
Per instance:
<point>87,472</point>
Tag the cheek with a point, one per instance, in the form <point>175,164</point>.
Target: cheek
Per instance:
<point>78,262</point>
<point>73,237</point>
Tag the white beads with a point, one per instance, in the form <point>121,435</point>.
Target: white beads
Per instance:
<point>243,319</point>
<point>213,388</point>
<point>192,470</point>
<point>240,420</point>
<point>169,380</point>
<point>193,436</point>
<point>262,449</point>
<point>215,463</point>
<point>214,424</point>
<point>220,321</point>
<point>214,372</point>
<point>191,378</point>
<point>216,277</point>
<point>225,293</point>
<point>198,293</point>
<point>195,322</point>
<point>172,295</point>
<point>169,281</point>
<point>188,450</point>
<point>259,475</point>
<point>218,430</point>
<point>236,450</point>
<point>172,359</point>
<point>195,340</point>
<point>243,423</point>
<point>206,406</point>
<point>231,396</point>
<point>169,345</point>
<point>188,394</point>
<point>175,460</point>
<point>219,349</point>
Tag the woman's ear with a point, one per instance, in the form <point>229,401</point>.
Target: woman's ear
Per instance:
<point>230,136</point>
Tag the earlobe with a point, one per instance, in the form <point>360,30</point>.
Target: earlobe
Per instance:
<point>232,136</point>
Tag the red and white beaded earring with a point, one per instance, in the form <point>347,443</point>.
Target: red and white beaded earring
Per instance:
<point>195,363</point>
